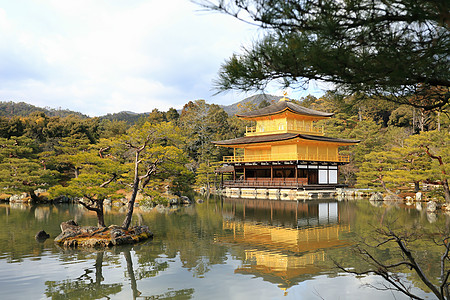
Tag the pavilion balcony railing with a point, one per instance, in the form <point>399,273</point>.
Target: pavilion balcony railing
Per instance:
<point>267,182</point>
<point>285,157</point>
<point>257,130</point>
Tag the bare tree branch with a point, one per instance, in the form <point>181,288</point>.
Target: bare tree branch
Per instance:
<point>388,271</point>
<point>109,181</point>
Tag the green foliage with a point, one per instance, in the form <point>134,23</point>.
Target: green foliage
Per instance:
<point>392,49</point>
<point>10,109</point>
<point>109,129</point>
<point>164,148</point>
<point>371,137</point>
<point>21,171</point>
<point>378,170</point>
<point>204,123</point>
<point>205,174</point>
<point>437,144</point>
<point>70,149</point>
<point>153,198</point>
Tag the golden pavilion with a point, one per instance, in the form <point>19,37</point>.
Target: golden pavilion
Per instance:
<point>284,149</point>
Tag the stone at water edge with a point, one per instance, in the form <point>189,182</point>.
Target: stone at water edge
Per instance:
<point>419,196</point>
<point>445,207</point>
<point>185,200</point>
<point>409,200</point>
<point>376,197</point>
<point>71,224</point>
<point>41,236</point>
<point>431,206</point>
<point>391,197</point>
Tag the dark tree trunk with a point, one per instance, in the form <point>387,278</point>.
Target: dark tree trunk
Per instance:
<point>129,260</point>
<point>446,190</point>
<point>416,186</point>
<point>97,206</point>
<point>98,268</point>
<point>100,214</point>
<point>34,197</point>
<point>100,218</point>
<point>383,185</point>
<point>130,206</point>
<point>444,181</point>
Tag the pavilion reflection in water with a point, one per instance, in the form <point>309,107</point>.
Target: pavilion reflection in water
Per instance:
<point>283,242</point>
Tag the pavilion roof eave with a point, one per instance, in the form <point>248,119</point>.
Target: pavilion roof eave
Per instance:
<point>280,112</point>
<point>266,139</point>
<point>281,107</point>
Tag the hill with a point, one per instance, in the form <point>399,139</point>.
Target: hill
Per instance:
<point>22,109</point>
<point>232,109</point>
<point>10,109</point>
<point>127,116</point>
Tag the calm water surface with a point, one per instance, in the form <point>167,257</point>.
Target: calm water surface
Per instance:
<point>219,249</point>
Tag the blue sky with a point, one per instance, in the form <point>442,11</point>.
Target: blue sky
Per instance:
<point>106,56</point>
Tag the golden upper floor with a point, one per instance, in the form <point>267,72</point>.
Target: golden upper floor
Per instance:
<point>284,125</point>
<point>285,131</point>
<point>284,117</point>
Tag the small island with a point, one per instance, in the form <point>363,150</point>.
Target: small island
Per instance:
<point>73,235</point>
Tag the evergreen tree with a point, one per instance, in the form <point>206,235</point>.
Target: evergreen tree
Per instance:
<point>379,170</point>
<point>153,152</point>
<point>20,168</point>
<point>97,181</point>
<point>436,145</point>
<point>392,49</point>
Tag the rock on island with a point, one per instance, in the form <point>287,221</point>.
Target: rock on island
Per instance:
<point>72,235</point>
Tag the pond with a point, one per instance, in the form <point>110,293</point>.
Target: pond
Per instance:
<point>218,249</point>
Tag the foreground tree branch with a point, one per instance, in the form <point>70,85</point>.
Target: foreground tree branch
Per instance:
<point>389,271</point>
<point>393,49</point>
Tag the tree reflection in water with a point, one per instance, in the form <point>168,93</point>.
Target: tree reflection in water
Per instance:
<point>272,248</point>
<point>84,286</point>
<point>90,284</point>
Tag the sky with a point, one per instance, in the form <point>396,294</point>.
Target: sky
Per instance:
<point>107,56</point>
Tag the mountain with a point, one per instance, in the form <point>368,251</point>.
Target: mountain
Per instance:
<point>232,109</point>
<point>10,109</point>
<point>22,109</point>
<point>128,116</point>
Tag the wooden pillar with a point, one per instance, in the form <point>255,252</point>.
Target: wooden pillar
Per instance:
<point>337,179</point>
<point>296,174</point>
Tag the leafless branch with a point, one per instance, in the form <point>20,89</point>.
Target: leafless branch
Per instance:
<point>101,150</point>
<point>109,181</point>
<point>387,271</point>
<point>88,206</point>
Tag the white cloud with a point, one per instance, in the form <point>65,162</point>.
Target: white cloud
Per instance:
<point>111,55</point>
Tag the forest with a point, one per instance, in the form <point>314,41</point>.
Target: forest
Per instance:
<point>160,153</point>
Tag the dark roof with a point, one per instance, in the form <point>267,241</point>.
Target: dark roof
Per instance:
<point>281,106</point>
<point>327,139</point>
<point>281,137</point>
<point>257,139</point>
